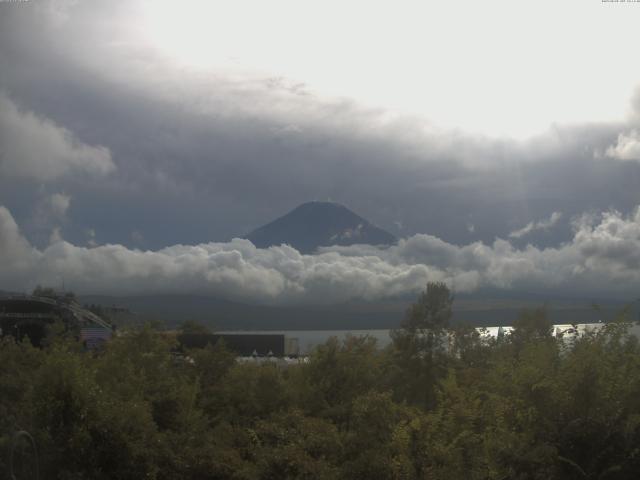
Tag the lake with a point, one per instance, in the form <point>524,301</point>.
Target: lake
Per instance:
<point>309,339</point>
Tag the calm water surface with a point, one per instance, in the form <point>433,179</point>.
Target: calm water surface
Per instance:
<point>308,339</point>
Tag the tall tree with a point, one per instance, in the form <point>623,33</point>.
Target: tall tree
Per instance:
<point>420,344</point>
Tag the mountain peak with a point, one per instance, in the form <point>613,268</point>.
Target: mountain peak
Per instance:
<point>318,224</point>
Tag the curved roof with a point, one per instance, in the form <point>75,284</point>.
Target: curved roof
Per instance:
<point>41,305</point>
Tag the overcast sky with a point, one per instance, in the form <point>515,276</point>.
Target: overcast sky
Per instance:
<point>500,140</point>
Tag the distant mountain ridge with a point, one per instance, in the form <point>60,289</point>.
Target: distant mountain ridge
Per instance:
<point>319,224</point>
<point>221,314</point>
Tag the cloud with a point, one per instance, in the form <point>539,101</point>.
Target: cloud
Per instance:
<point>208,155</point>
<point>602,259</point>
<point>536,226</point>
<point>90,234</point>
<point>56,236</point>
<point>17,257</point>
<point>34,147</point>
<point>48,217</point>
<point>627,147</point>
<point>60,203</point>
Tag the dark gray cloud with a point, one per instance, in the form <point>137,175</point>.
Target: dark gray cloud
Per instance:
<point>152,156</point>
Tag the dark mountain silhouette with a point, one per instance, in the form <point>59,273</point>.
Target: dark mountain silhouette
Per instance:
<point>221,314</point>
<point>318,224</point>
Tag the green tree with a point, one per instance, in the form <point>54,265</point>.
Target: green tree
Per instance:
<point>421,344</point>
<point>249,392</point>
<point>210,365</point>
<point>339,372</point>
<point>85,430</point>
<point>531,326</point>
<point>371,448</point>
<point>291,445</point>
<point>193,327</point>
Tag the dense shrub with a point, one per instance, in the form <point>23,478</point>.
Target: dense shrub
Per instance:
<point>528,406</point>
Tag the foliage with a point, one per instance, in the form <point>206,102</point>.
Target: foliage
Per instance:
<point>434,405</point>
<point>191,326</point>
<point>420,345</point>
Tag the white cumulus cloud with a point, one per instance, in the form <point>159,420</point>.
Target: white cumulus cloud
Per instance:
<point>34,147</point>
<point>627,147</point>
<point>603,258</point>
<point>537,226</point>
<point>60,203</point>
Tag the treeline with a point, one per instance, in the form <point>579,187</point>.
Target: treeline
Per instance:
<point>528,406</point>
